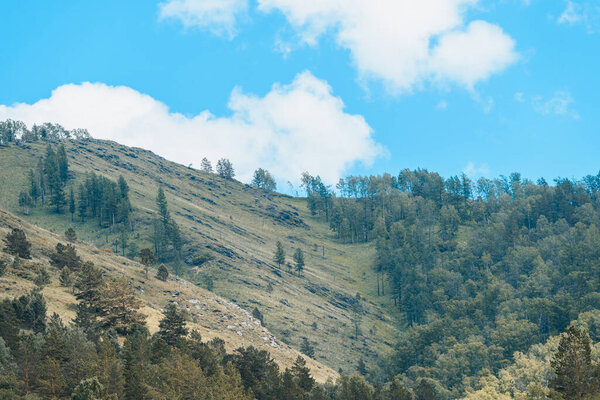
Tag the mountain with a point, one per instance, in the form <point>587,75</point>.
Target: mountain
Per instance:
<point>236,227</point>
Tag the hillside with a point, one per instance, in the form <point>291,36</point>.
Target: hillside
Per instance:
<point>209,314</point>
<point>238,225</point>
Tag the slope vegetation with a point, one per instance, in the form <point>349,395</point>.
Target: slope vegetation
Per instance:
<point>239,226</point>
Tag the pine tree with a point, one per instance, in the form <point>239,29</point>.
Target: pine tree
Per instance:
<point>572,365</point>
<point>279,256</point>
<point>42,277</point>
<point>70,235</point>
<point>34,187</point>
<point>66,278</point>
<point>88,389</point>
<point>147,258</point>
<point>163,273</point>
<point>225,169</point>
<point>63,164</point>
<point>120,307</point>
<point>89,287</point>
<point>172,326</point>
<point>82,203</point>
<point>161,203</point>
<point>299,259</point>
<point>206,166</point>
<point>307,348</point>
<point>72,204</point>
<point>264,180</point>
<point>17,244</point>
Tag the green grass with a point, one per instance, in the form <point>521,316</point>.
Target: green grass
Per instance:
<point>241,225</point>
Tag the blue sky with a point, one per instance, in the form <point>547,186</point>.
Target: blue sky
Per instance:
<point>505,86</point>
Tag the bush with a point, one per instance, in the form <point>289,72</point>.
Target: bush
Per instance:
<point>163,273</point>
<point>70,235</point>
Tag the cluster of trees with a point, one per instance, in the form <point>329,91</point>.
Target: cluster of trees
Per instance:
<point>479,270</point>
<point>279,257</point>
<point>46,185</point>
<point>166,235</point>
<point>41,358</point>
<point>104,200</point>
<point>224,168</point>
<point>16,131</point>
<point>264,180</point>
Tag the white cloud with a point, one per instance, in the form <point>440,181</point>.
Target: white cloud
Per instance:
<point>293,128</point>
<point>585,13</point>
<point>560,104</point>
<point>218,16</point>
<point>473,170</point>
<point>405,43</point>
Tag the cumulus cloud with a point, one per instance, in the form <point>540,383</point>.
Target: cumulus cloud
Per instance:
<point>559,104</point>
<point>405,43</point>
<point>218,16</point>
<point>296,127</point>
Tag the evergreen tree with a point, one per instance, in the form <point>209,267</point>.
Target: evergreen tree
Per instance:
<point>89,287</point>
<point>88,389</point>
<point>82,203</point>
<point>136,370</point>
<point>63,164</point>
<point>225,169</point>
<point>299,259</point>
<point>163,273</point>
<point>17,244</point>
<point>72,204</point>
<point>206,166</point>
<point>279,256</point>
<point>264,180</point>
<point>307,348</point>
<point>572,364</point>
<point>172,326</point>
<point>66,278</point>
<point>65,256</point>
<point>34,187</point>
<point>259,316</point>
<point>25,202</point>
<point>42,278</point>
<point>120,307</point>
<point>70,235</point>
<point>147,258</point>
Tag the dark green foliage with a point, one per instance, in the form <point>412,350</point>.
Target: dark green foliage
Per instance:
<point>42,278</point>
<point>147,258</point>
<point>107,201</point>
<point>225,168</point>
<point>70,235</point>
<point>279,255</point>
<point>259,316</point>
<point>299,259</point>
<point>361,367</point>
<point>262,179</point>
<point>166,235</point>
<point>172,326</point>
<point>65,256</point>
<point>88,389</point>
<point>3,267</point>
<point>25,202</point>
<point>202,258</point>
<point>66,278</point>
<point>575,376</point>
<point>17,244</point>
<point>307,348</point>
<point>163,273</point>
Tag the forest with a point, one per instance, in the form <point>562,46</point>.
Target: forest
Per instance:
<point>483,275</point>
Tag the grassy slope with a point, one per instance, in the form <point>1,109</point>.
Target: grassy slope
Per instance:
<point>240,225</point>
<point>211,315</point>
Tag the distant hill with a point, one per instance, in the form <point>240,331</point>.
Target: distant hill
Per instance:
<point>239,226</point>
